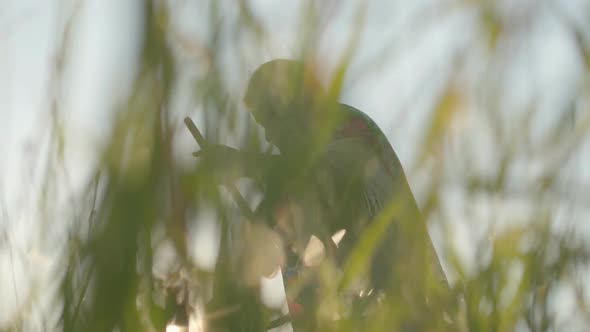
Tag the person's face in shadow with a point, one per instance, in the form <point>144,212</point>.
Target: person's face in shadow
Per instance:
<point>285,128</point>
<point>279,97</point>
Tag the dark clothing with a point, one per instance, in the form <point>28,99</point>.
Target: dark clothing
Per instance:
<point>355,182</point>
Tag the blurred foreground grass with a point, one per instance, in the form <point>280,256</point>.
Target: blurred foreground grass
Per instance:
<point>520,265</point>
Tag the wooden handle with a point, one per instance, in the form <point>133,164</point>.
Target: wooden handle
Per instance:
<point>240,201</point>
<point>195,132</point>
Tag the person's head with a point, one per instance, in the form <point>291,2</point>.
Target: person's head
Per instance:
<point>281,95</point>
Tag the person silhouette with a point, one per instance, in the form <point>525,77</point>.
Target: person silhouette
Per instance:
<point>336,171</point>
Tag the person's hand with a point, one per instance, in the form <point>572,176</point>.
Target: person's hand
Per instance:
<point>221,162</point>
<point>217,155</point>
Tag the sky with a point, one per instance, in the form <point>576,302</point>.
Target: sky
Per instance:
<point>415,48</point>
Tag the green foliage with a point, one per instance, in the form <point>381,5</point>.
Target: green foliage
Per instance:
<point>109,283</point>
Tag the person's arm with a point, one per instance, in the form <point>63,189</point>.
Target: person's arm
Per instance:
<point>231,164</point>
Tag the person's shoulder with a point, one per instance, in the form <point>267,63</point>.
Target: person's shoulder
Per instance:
<point>352,114</point>
<point>358,124</point>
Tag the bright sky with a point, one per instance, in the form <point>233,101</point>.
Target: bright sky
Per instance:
<point>419,58</point>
